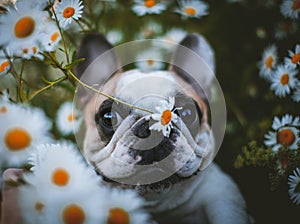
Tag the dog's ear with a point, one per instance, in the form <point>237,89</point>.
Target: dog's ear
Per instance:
<point>100,61</point>
<point>194,61</point>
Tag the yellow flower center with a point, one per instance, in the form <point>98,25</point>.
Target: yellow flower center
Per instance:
<point>150,62</point>
<point>190,11</point>
<point>71,118</point>
<point>73,214</point>
<point>25,50</point>
<point>296,5</point>
<point>269,62</point>
<point>284,80</point>
<point>286,137</point>
<point>118,216</point>
<point>149,3</point>
<point>296,58</point>
<point>166,117</point>
<point>39,207</point>
<point>3,110</point>
<point>54,36</point>
<point>17,139</point>
<point>68,12</point>
<point>4,65</point>
<point>24,27</point>
<point>60,177</point>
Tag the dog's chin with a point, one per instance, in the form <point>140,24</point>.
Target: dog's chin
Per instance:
<point>159,187</point>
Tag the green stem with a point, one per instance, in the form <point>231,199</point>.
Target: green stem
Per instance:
<point>51,84</point>
<point>106,95</point>
<point>21,82</point>
<point>61,34</point>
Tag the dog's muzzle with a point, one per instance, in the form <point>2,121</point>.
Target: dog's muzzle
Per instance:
<point>152,146</point>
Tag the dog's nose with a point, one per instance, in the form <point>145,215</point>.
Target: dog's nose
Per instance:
<point>141,129</point>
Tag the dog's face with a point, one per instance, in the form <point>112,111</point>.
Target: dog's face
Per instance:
<point>119,142</point>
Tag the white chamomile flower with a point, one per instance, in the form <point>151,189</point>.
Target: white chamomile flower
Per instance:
<point>29,50</point>
<point>149,60</point>
<point>283,80</point>
<point>172,37</point>
<point>5,64</point>
<point>60,168</point>
<point>290,8</point>
<point>296,94</point>
<point>143,7</point>
<point>124,206</point>
<point>67,189</point>
<point>21,129</point>
<point>68,119</point>
<point>149,30</point>
<point>192,8</point>
<point>294,186</point>
<point>114,36</point>
<point>67,11</point>
<point>268,62</point>
<point>50,37</point>
<point>164,117</point>
<point>294,58</point>
<point>21,25</point>
<point>285,134</point>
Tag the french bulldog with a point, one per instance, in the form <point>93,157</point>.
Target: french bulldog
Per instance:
<point>174,172</point>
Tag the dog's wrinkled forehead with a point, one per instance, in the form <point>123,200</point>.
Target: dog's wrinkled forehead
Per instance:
<point>135,85</point>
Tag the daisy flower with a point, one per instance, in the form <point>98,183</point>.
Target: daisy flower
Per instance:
<point>67,11</point>
<point>114,37</point>
<point>150,60</point>
<point>283,80</point>
<point>29,50</point>
<point>173,36</point>
<point>149,30</point>
<point>66,188</point>
<point>192,8</point>
<point>19,134</point>
<point>124,206</point>
<point>268,62</point>
<point>290,8</point>
<point>143,7</point>
<point>294,186</point>
<point>50,37</point>
<point>296,95</point>
<point>285,133</point>
<point>164,117</point>
<point>5,64</point>
<point>294,58</point>
<point>21,25</point>
<point>68,119</point>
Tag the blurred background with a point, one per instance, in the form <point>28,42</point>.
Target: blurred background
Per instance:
<point>238,31</point>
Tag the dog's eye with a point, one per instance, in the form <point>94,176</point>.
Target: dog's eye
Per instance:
<point>108,118</point>
<point>190,114</point>
<point>111,118</point>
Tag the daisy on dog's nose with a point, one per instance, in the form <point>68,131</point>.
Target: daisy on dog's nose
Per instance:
<point>165,116</point>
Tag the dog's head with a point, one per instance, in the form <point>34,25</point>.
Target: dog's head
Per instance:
<point>122,142</point>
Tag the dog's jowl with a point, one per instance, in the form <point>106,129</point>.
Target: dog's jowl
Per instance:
<point>162,147</point>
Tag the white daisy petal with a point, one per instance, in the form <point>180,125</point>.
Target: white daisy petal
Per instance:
<point>68,119</point>
<point>285,134</point>
<point>290,8</point>
<point>283,80</point>
<point>150,60</point>
<point>17,134</point>
<point>143,7</point>
<point>67,11</point>
<point>192,8</point>
<point>294,186</point>
<point>268,62</point>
